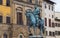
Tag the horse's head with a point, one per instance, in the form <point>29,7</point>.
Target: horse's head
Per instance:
<point>28,12</point>
<point>38,10</point>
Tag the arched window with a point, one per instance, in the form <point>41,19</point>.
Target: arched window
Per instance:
<point>19,15</point>
<point>5,35</point>
<point>20,36</point>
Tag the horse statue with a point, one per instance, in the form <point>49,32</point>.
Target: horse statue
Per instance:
<point>35,19</point>
<point>31,18</point>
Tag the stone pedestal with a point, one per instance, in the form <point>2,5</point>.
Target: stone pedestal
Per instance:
<point>36,36</point>
<point>41,37</point>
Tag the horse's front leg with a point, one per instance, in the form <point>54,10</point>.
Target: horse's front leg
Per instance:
<point>40,31</point>
<point>34,26</point>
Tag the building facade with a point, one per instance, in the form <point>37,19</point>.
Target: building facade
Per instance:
<point>57,24</point>
<point>4,18</point>
<point>48,14</point>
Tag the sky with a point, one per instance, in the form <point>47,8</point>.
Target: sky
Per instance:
<point>57,5</point>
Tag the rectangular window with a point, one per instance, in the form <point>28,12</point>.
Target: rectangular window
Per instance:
<point>53,33</point>
<point>58,32</point>
<point>52,16</point>
<point>19,18</point>
<point>1,19</point>
<point>49,7</point>
<point>8,20</point>
<point>52,8</point>
<point>45,21</point>
<point>45,6</point>
<point>49,22</point>
<point>7,2</point>
<point>53,25</point>
<point>30,1</point>
<point>49,33</point>
<point>46,33</point>
<point>1,2</point>
<point>56,24</point>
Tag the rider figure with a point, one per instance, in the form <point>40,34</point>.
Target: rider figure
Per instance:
<point>36,13</point>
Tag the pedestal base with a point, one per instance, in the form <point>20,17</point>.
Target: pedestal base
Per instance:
<point>36,36</point>
<point>41,37</point>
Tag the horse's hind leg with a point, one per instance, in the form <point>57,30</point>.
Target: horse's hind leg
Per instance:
<point>40,31</point>
<point>34,29</point>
